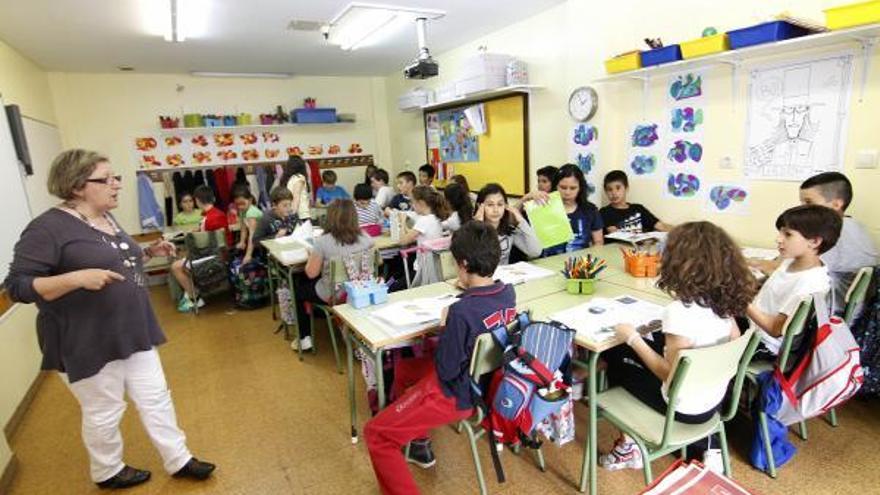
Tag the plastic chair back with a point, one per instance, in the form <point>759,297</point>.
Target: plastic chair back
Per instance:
<point>857,293</point>
<point>710,367</point>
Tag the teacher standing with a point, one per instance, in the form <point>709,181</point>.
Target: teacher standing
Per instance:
<point>96,325</point>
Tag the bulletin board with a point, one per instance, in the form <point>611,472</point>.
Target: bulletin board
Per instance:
<point>501,153</point>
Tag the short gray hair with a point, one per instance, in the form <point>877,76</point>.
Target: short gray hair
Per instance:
<point>70,170</point>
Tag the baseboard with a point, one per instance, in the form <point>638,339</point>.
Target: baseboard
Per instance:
<point>15,420</point>
<point>8,474</point>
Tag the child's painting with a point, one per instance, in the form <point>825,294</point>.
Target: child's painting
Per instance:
<point>644,135</point>
<point>642,164</point>
<point>685,119</point>
<point>727,198</point>
<point>686,86</point>
<point>684,151</point>
<point>682,185</point>
<point>584,147</point>
<point>458,142</point>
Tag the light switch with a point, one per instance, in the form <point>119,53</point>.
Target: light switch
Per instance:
<point>867,159</point>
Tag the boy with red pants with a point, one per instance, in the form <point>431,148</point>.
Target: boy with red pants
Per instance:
<point>444,395</point>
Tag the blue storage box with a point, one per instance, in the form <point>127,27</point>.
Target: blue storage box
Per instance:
<point>764,33</point>
<point>313,115</point>
<point>671,53</point>
<point>362,294</point>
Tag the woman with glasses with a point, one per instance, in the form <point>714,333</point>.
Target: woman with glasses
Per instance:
<point>96,325</point>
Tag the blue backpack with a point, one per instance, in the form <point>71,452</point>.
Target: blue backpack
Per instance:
<point>531,385</point>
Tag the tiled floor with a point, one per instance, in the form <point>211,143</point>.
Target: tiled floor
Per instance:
<point>276,425</point>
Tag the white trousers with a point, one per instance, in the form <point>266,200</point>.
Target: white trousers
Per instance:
<point>102,401</point>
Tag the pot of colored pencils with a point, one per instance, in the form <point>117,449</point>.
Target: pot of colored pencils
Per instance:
<point>580,273</point>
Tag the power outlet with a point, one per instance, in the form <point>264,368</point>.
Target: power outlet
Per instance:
<point>726,163</point>
<point>867,159</point>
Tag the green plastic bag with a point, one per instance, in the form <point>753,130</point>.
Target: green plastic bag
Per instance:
<point>550,221</point>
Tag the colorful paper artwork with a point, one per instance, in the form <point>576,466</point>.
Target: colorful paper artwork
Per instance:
<point>728,198</point>
<point>583,144</point>
<point>585,134</point>
<point>646,150</point>
<point>644,136</point>
<point>682,185</point>
<point>686,119</point>
<point>643,164</point>
<point>685,86</point>
<point>458,142</point>
<point>682,151</point>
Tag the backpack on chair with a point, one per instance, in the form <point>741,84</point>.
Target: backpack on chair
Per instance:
<point>529,386</point>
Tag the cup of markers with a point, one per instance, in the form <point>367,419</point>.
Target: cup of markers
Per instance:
<point>580,273</point>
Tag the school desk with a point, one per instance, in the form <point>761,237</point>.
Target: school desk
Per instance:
<point>541,310</point>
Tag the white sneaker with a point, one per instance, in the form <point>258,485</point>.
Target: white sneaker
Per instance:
<point>624,455</point>
<point>200,303</point>
<point>305,343</point>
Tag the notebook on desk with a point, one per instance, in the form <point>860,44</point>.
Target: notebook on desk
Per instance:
<point>596,318</point>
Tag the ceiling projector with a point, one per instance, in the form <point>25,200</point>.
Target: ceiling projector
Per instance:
<point>423,66</point>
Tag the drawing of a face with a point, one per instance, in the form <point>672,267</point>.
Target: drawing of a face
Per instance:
<point>794,117</point>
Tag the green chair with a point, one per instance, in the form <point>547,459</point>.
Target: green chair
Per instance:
<point>448,265</point>
<point>695,371</point>
<point>794,326</point>
<point>486,358</point>
<point>338,275</point>
<point>857,293</point>
<point>200,245</point>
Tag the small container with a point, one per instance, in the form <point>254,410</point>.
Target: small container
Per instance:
<point>767,32</point>
<point>372,229</point>
<point>580,285</point>
<point>643,265</point>
<point>623,63</point>
<point>193,120</point>
<point>362,294</point>
<point>706,45</point>
<point>854,14</point>
<point>658,56</point>
<point>245,119</point>
<point>313,116</point>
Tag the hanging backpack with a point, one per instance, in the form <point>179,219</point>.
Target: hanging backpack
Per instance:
<point>827,375</point>
<point>529,386</point>
<point>206,264</point>
<point>250,282</point>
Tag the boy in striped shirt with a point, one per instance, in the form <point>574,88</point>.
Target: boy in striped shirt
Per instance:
<point>368,211</point>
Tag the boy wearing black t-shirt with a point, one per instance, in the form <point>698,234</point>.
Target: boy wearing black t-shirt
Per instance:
<point>626,217</point>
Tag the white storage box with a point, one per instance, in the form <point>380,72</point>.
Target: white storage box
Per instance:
<point>415,99</point>
<point>445,93</point>
<point>482,72</point>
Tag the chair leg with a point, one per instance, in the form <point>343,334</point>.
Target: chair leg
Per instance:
<point>768,448</point>
<point>683,452</point>
<point>331,329</point>
<point>725,456</point>
<point>539,458</point>
<point>802,430</point>
<point>646,462</point>
<point>832,417</point>
<point>472,441</point>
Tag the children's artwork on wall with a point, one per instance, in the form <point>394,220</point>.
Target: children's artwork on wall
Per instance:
<point>797,117</point>
<point>683,151</point>
<point>644,135</point>
<point>727,198</point>
<point>646,150</point>
<point>685,119</point>
<point>682,185</point>
<point>685,86</point>
<point>147,151</point>
<point>642,164</point>
<point>584,148</point>
<point>458,142</point>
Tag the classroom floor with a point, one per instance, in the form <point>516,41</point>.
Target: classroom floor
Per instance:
<point>276,425</point>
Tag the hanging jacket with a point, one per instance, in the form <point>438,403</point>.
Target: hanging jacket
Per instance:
<point>199,177</point>
<point>770,400</point>
<point>263,201</point>
<point>148,208</point>
<point>866,330</point>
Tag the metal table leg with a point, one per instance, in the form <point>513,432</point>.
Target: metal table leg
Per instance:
<point>591,446</point>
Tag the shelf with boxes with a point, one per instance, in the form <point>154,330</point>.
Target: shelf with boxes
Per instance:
<point>324,162</point>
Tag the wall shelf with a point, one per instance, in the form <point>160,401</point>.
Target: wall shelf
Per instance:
<point>324,161</point>
<point>254,127</point>
<point>480,95</point>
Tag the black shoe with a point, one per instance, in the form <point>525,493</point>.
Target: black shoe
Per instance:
<point>195,469</point>
<point>420,454</point>
<point>125,478</point>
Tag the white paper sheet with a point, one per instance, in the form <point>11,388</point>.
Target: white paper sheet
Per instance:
<point>596,319</point>
<point>521,272</point>
<point>414,311</point>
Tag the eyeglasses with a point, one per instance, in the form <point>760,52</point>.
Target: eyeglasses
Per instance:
<point>106,180</point>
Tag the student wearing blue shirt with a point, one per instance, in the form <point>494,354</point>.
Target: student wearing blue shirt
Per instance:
<point>330,191</point>
<point>444,394</point>
<point>586,222</point>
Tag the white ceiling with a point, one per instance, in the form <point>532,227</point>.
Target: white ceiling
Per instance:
<point>242,35</point>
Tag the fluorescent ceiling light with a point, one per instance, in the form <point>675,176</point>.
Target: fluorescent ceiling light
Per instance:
<point>263,75</point>
<point>362,24</point>
<point>175,20</point>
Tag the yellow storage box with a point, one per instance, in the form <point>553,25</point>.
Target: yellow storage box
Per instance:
<point>623,63</point>
<point>706,45</point>
<point>855,14</point>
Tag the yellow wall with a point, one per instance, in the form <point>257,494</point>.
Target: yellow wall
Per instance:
<point>24,83</point>
<point>564,48</point>
<point>105,111</point>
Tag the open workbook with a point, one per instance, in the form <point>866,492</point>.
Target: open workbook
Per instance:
<point>403,317</point>
<point>596,318</point>
<point>637,238</point>
<point>519,273</point>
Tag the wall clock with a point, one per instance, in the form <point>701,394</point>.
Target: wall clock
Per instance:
<point>583,103</point>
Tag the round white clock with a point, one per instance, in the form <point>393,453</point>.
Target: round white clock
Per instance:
<point>582,103</point>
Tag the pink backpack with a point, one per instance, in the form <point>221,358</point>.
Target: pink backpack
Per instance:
<point>827,375</point>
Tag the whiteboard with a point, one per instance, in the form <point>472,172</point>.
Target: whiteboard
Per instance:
<point>13,199</point>
<point>44,142</point>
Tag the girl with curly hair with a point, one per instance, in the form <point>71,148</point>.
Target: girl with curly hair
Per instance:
<point>705,273</point>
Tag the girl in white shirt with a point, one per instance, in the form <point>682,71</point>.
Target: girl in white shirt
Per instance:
<point>704,270</point>
<point>460,204</point>
<point>295,178</point>
<point>430,210</point>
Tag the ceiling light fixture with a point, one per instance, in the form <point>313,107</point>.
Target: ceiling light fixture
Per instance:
<point>362,24</point>
<point>255,75</point>
<point>175,20</point>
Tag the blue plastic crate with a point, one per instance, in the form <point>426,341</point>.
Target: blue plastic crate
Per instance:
<point>361,295</point>
<point>314,115</point>
<point>671,53</point>
<point>764,33</point>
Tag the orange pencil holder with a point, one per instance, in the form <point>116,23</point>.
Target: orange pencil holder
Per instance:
<point>643,265</point>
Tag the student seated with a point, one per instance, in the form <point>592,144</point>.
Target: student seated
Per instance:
<point>805,233</point>
<point>187,213</point>
<point>329,190</point>
<point>213,219</point>
<point>459,201</point>
<point>342,237</point>
<point>367,209</point>
<point>463,182</point>
<point>443,395</point>
<point>512,228</point>
<point>279,221</point>
<point>406,181</point>
<point>248,217</point>
<point>545,178</point>
<point>429,210</point>
<point>426,175</point>
<point>705,273</point>
<point>369,170</point>
<point>382,192</point>
<point>584,217</point>
<point>622,216</point>
<point>855,248</point>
